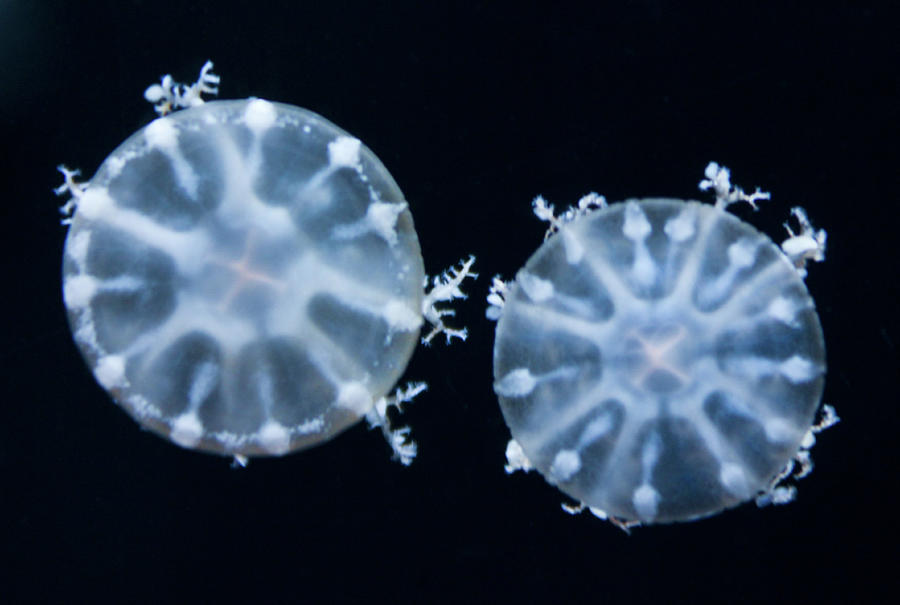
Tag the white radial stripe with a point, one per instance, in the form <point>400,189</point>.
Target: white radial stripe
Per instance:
<point>755,403</point>
<point>735,320</point>
<point>203,380</point>
<point>795,369</point>
<point>718,445</point>
<point>717,289</point>
<point>544,320</point>
<point>711,379</point>
<point>624,443</point>
<point>693,262</point>
<point>190,315</point>
<point>265,389</point>
<point>239,205</point>
<point>597,428</point>
<point>572,246</point>
<point>122,283</point>
<point>637,228</point>
<point>621,295</point>
<point>187,248</point>
<point>550,428</point>
<point>360,297</point>
<point>332,362</point>
<point>730,310</point>
<point>650,452</point>
<point>184,173</point>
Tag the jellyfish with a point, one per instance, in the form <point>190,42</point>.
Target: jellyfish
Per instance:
<point>660,360</point>
<point>244,278</point>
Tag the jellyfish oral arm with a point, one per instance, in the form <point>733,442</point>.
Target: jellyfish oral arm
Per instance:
<point>73,188</point>
<point>546,212</point>
<point>718,178</point>
<point>516,460</point>
<point>807,245</point>
<point>446,287</point>
<point>496,298</point>
<point>405,449</point>
<point>623,524</point>
<point>169,95</point>
<point>798,467</point>
<point>667,274</point>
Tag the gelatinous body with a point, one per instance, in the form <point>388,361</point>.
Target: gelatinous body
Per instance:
<point>659,360</point>
<point>244,278</point>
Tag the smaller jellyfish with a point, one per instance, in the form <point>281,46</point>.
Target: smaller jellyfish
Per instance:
<point>660,360</point>
<point>244,278</point>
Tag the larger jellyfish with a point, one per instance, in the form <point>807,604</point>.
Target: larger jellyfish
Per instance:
<point>244,277</point>
<point>660,360</point>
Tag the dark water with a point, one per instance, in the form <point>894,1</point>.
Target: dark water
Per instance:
<point>474,108</point>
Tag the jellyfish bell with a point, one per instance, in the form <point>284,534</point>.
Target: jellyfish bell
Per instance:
<point>660,360</point>
<point>244,277</point>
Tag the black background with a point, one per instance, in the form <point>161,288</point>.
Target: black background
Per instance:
<point>475,108</point>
